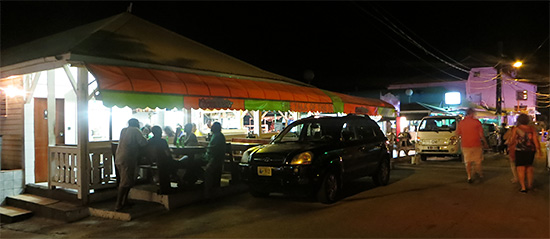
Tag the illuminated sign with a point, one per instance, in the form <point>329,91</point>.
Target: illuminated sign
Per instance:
<point>452,98</point>
<point>215,103</point>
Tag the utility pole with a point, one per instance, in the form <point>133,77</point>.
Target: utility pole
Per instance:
<point>499,83</point>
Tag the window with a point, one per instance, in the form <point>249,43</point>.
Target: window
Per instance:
<point>521,95</point>
<point>3,104</point>
<point>475,98</point>
<point>348,132</point>
<point>438,124</point>
<point>365,132</point>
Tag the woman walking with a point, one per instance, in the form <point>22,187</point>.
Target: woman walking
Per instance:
<point>525,142</point>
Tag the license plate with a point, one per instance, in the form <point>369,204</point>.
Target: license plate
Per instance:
<point>264,171</point>
<point>433,147</point>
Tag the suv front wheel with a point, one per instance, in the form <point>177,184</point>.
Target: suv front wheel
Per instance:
<point>382,175</point>
<point>330,188</point>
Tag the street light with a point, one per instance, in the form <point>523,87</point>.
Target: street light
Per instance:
<point>516,65</point>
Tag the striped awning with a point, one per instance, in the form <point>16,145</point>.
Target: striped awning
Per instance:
<point>141,87</point>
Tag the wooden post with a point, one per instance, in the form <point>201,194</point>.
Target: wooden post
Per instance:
<point>186,116</point>
<point>257,123</point>
<point>51,107</point>
<point>50,110</point>
<point>82,125</point>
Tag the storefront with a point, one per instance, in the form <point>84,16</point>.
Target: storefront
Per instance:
<point>242,106</point>
<point>81,88</point>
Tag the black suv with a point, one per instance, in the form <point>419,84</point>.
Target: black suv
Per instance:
<point>315,155</point>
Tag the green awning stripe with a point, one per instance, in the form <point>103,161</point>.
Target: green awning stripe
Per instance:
<point>337,102</point>
<point>387,112</point>
<point>141,100</point>
<point>266,105</point>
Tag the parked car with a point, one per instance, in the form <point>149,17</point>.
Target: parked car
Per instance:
<point>490,131</point>
<point>316,155</point>
<point>436,136</point>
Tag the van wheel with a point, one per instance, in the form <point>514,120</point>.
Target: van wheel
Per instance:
<point>423,157</point>
<point>330,189</point>
<point>382,175</point>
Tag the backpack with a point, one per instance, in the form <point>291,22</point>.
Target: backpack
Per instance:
<point>507,136</point>
<point>524,141</point>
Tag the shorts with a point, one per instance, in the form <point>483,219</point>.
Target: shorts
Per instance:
<point>525,158</point>
<point>127,175</point>
<point>473,154</point>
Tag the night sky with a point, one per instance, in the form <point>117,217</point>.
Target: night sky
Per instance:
<point>346,46</point>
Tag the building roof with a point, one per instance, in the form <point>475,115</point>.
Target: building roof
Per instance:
<point>133,40</point>
<point>134,60</point>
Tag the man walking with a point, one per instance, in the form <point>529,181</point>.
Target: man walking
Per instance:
<point>471,135</point>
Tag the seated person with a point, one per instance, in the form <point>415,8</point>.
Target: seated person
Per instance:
<point>158,152</point>
<point>190,139</point>
<point>405,138</point>
<point>169,134</point>
<point>193,163</point>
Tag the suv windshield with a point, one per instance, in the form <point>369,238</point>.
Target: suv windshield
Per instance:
<point>438,124</point>
<point>308,132</point>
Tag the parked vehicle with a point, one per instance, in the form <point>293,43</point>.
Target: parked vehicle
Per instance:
<point>436,136</point>
<point>490,131</point>
<point>316,155</point>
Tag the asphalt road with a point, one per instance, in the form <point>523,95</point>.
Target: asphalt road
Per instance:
<point>429,200</point>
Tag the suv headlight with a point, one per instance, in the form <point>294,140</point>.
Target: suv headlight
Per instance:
<point>302,159</point>
<point>453,140</point>
<point>246,157</point>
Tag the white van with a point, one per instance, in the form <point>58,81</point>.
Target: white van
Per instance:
<point>436,136</point>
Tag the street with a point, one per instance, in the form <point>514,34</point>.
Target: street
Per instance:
<point>428,200</point>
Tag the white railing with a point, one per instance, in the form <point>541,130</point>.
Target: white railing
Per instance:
<point>63,161</point>
<point>65,167</point>
<point>102,171</point>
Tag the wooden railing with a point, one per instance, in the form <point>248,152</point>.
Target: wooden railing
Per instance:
<point>102,171</point>
<point>65,167</point>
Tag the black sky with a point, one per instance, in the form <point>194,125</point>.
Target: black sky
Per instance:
<point>344,43</point>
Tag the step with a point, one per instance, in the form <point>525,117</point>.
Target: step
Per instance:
<point>49,208</point>
<point>68,195</point>
<point>105,209</point>
<point>11,214</point>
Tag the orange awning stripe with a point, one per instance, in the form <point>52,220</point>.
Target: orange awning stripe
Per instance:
<point>122,78</point>
<point>359,105</point>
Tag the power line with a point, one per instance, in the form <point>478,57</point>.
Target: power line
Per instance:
<point>456,62</point>
<point>412,53</point>
<point>403,35</point>
<point>532,54</point>
<point>410,39</point>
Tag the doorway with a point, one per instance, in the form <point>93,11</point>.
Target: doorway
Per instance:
<point>41,135</point>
